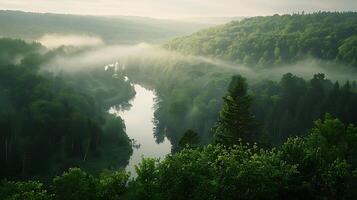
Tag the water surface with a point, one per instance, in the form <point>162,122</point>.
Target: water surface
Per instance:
<point>140,127</point>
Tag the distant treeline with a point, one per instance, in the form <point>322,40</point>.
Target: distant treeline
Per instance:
<point>113,30</point>
<point>277,40</point>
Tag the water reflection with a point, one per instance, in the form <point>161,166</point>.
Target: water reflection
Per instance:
<point>139,121</point>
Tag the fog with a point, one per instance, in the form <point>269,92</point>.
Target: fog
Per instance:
<point>99,55</point>
<point>308,67</point>
<point>52,41</point>
<point>103,55</point>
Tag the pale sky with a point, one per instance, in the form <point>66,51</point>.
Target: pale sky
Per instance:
<point>178,8</point>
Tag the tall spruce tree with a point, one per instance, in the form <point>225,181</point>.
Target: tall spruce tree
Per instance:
<point>235,122</point>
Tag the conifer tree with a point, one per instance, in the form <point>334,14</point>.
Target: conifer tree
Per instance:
<point>235,122</point>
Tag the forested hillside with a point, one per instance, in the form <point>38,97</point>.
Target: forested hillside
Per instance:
<point>277,40</point>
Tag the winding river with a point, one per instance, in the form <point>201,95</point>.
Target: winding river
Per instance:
<point>140,127</point>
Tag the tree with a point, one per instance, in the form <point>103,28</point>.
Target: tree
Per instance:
<point>31,190</point>
<point>325,158</point>
<point>190,138</point>
<point>112,185</point>
<point>75,184</point>
<point>235,121</point>
<point>145,185</point>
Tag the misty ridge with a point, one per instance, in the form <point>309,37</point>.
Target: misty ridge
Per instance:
<point>112,29</point>
<point>87,52</point>
<point>96,50</point>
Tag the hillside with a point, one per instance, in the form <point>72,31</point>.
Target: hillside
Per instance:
<point>229,131</point>
<point>31,26</point>
<point>276,40</point>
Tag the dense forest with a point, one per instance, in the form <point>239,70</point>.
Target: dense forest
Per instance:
<point>43,111</point>
<point>277,40</point>
<point>190,95</point>
<point>235,134</point>
<point>321,165</point>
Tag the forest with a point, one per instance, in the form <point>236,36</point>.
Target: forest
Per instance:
<point>259,108</point>
<point>41,111</point>
<point>190,95</point>
<point>277,40</point>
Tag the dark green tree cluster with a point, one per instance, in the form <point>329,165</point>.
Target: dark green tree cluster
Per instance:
<point>107,88</point>
<point>190,139</point>
<point>319,166</point>
<point>47,124</point>
<point>322,165</point>
<point>235,121</point>
<point>71,185</point>
<point>30,190</point>
<point>288,107</point>
<point>275,40</point>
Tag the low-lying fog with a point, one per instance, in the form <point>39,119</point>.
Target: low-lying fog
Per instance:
<point>52,41</point>
<point>95,53</point>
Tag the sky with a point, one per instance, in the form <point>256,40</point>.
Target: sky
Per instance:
<point>178,8</point>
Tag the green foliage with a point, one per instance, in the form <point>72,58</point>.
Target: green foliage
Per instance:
<point>288,107</point>
<point>190,138</point>
<point>31,190</point>
<point>334,140</point>
<point>112,185</point>
<point>302,168</point>
<point>215,172</point>
<point>145,186</point>
<point>75,184</point>
<point>275,40</point>
<point>190,97</point>
<point>348,51</point>
<point>51,122</point>
<point>318,166</point>
<point>324,159</point>
<point>235,121</point>
<point>114,129</point>
<point>108,88</point>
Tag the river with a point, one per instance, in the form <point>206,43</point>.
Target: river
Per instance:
<point>140,127</point>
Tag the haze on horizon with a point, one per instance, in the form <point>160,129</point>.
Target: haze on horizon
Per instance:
<point>178,8</point>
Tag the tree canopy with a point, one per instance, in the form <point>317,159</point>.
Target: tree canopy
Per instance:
<point>277,40</point>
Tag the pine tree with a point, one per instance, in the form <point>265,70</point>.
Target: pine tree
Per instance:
<point>235,122</point>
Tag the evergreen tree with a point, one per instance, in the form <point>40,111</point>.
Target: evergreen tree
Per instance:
<point>235,121</point>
